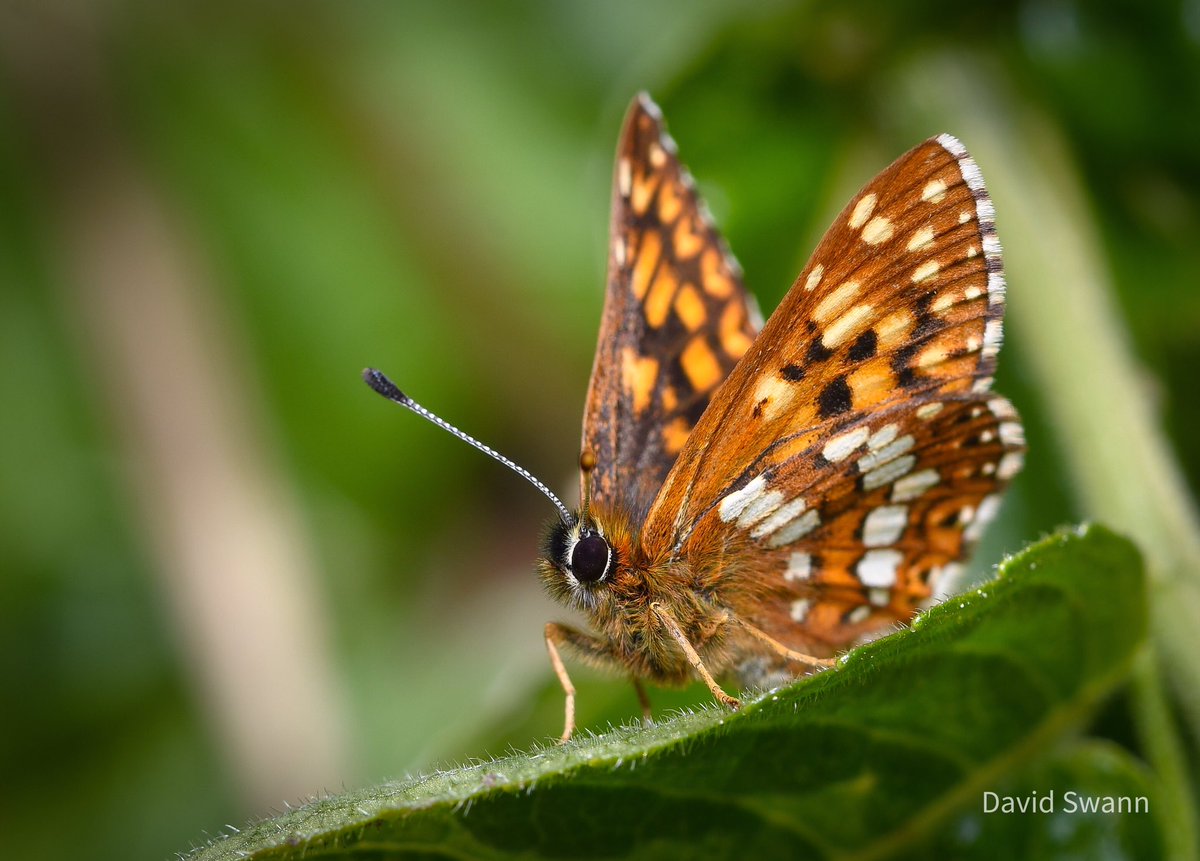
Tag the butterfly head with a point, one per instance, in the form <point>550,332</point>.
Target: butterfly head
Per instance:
<point>584,560</point>
<point>580,555</point>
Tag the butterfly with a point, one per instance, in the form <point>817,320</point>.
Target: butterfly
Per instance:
<point>755,498</point>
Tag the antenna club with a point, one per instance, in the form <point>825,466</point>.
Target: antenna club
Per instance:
<point>587,460</point>
<point>378,381</point>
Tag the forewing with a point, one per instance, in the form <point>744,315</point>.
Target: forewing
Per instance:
<point>853,456</point>
<point>901,303</point>
<point>676,318</point>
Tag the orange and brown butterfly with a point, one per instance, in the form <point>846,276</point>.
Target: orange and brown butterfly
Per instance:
<point>754,501</point>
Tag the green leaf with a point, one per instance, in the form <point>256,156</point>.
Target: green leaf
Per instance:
<point>870,760</point>
<point>1073,787</point>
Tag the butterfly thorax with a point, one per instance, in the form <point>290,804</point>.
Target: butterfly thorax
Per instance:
<point>617,595</point>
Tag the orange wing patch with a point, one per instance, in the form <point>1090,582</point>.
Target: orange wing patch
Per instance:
<point>700,365</point>
<point>676,318</point>
<point>638,376</point>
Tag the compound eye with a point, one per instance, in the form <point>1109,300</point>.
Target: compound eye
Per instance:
<point>590,558</point>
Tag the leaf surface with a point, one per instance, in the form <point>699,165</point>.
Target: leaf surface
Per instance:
<point>875,759</point>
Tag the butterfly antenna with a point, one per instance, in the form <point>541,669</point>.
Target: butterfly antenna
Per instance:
<point>381,384</point>
<point>587,464</point>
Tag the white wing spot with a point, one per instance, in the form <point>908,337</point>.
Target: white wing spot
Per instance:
<point>972,292</point>
<point>884,525</point>
<point>843,326</point>
<point>926,270</point>
<point>782,515</point>
<point>932,355</point>
<point>883,436</point>
<point>878,229</point>
<point>624,177</point>
<point>888,473</point>
<point>840,447</point>
<point>836,301</point>
<point>800,609</point>
<point>911,486</point>
<point>619,250</point>
<point>862,211</point>
<point>799,567</point>
<point>934,191</point>
<point>759,507</point>
<point>927,411</point>
<point>1002,409</point>
<point>992,334</point>
<point>798,528</point>
<point>858,614</point>
<point>649,106</point>
<point>879,597</point>
<point>943,301</point>
<point>814,277</point>
<point>1010,465</point>
<point>879,458</point>
<point>973,251</point>
<point>657,156</point>
<point>920,239</point>
<point>734,503</point>
<point>877,568</point>
<point>776,393</point>
<point>964,217</point>
<point>1012,434</point>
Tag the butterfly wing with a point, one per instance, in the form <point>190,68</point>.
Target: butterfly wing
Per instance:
<point>873,521</point>
<point>676,318</point>
<point>860,419</point>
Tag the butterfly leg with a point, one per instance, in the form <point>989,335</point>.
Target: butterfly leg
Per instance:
<point>689,651</point>
<point>643,700</point>
<point>592,649</point>
<point>783,651</point>
<point>557,633</point>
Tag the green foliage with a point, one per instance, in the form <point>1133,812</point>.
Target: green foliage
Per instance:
<point>424,187</point>
<point>888,753</point>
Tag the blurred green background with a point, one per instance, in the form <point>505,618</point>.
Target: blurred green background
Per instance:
<point>232,578</point>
